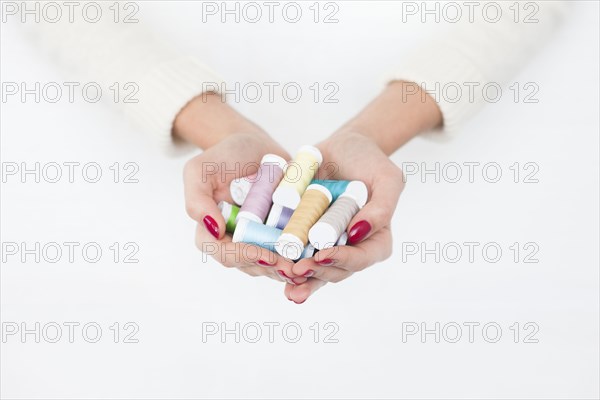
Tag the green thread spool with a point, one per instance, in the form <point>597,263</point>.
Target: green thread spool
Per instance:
<point>229,212</point>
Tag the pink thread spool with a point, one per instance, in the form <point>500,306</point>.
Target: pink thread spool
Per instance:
<point>258,202</point>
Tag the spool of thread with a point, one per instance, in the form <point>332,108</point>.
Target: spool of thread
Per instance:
<point>229,212</point>
<point>298,174</point>
<point>326,232</point>
<point>342,240</point>
<point>308,252</point>
<point>335,187</point>
<point>251,232</point>
<point>240,187</point>
<point>259,198</point>
<point>279,216</point>
<point>294,238</point>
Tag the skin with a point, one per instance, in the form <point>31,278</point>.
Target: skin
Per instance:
<point>398,114</point>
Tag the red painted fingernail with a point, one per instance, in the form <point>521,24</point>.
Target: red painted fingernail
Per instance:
<point>309,273</point>
<point>358,232</point>
<point>264,263</point>
<point>211,226</point>
<point>326,262</point>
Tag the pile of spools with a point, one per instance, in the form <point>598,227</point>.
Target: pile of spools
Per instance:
<point>283,209</point>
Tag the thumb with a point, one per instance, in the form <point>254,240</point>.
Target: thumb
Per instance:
<point>378,211</point>
<point>200,203</point>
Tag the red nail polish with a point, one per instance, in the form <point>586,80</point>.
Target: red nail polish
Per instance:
<point>326,262</point>
<point>211,226</point>
<point>264,263</point>
<point>309,273</point>
<point>358,232</point>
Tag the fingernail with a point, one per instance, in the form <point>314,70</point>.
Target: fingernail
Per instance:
<point>309,273</point>
<point>264,263</point>
<point>211,226</point>
<point>285,277</point>
<point>358,232</point>
<point>326,262</point>
<point>299,302</point>
<point>300,281</point>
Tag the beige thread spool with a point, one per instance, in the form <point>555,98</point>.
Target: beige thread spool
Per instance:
<point>334,222</point>
<point>294,238</point>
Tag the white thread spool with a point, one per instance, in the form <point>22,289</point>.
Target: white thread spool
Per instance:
<point>330,227</point>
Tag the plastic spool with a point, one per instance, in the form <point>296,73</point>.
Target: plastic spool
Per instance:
<point>298,176</point>
<point>294,238</point>
<point>251,232</point>
<point>308,252</point>
<point>335,187</point>
<point>229,212</point>
<point>342,240</point>
<point>240,187</point>
<point>327,231</point>
<point>258,200</point>
<point>279,216</point>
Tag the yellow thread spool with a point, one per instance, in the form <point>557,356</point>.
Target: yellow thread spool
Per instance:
<point>294,238</point>
<point>298,174</point>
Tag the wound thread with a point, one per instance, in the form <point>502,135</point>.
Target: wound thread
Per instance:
<point>279,216</point>
<point>294,238</point>
<point>335,187</point>
<point>229,212</point>
<point>298,175</point>
<point>251,232</point>
<point>258,201</point>
<point>330,227</point>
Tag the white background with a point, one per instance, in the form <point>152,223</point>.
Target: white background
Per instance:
<point>172,291</point>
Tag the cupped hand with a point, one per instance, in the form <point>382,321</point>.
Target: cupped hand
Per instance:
<point>234,147</point>
<point>352,156</point>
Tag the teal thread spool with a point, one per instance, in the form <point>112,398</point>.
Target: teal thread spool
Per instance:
<point>335,187</point>
<point>229,212</point>
<point>251,232</point>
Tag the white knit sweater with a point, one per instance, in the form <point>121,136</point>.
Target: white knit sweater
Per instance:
<point>477,51</point>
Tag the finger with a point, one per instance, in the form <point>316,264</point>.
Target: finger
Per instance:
<point>378,212</point>
<point>376,248</point>
<point>308,268</point>
<point>199,199</point>
<point>240,254</point>
<point>299,293</point>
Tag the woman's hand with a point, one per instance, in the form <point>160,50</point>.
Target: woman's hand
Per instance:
<point>354,157</point>
<point>234,148</point>
<point>359,151</point>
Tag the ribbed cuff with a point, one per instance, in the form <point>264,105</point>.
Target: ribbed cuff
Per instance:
<point>164,91</point>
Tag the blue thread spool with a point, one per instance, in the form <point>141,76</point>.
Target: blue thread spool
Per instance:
<point>335,187</point>
<point>251,232</point>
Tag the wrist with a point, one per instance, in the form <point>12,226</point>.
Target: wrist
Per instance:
<point>207,119</point>
<point>400,112</point>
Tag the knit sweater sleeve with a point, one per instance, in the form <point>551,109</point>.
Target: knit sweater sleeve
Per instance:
<point>160,80</point>
<point>487,49</point>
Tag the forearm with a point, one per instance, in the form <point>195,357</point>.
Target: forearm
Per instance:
<point>399,113</point>
<point>207,119</point>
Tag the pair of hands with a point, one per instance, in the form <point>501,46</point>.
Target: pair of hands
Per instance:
<point>234,148</point>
